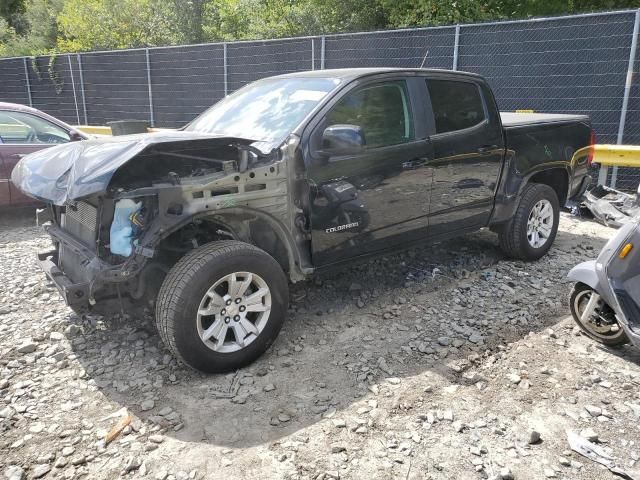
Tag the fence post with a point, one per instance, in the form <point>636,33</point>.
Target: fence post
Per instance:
<point>28,83</point>
<point>84,102</point>
<point>224,62</point>
<point>323,40</point>
<point>151,119</point>
<point>313,54</point>
<point>456,46</point>
<point>73,88</point>
<point>627,90</point>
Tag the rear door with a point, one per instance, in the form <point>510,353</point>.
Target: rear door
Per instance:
<point>377,198</point>
<point>22,133</point>
<point>468,148</point>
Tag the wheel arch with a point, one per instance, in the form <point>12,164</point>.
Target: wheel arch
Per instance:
<point>254,227</point>
<point>555,177</point>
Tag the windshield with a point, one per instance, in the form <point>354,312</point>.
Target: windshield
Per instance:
<point>267,110</point>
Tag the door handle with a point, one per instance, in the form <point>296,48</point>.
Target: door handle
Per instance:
<point>486,149</point>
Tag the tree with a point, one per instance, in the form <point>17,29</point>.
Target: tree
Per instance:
<point>287,18</point>
<point>409,13</point>
<point>31,27</point>
<point>228,19</point>
<point>536,8</point>
<point>255,19</point>
<point>110,24</point>
<point>39,29</point>
<point>41,16</point>
<point>190,18</point>
<point>12,11</point>
<point>7,37</point>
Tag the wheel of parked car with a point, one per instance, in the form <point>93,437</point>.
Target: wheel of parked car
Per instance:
<point>531,231</point>
<point>222,305</point>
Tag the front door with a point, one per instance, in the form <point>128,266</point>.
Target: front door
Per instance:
<point>468,148</point>
<point>377,197</point>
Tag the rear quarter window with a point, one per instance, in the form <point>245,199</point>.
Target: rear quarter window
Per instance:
<point>456,105</point>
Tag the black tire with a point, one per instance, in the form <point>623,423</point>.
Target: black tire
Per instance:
<point>613,340</point>
<point>513,236</point>
<point>184,288</point>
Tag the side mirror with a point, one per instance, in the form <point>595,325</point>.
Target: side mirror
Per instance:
<point>343,140</point>
<point>75,136</point>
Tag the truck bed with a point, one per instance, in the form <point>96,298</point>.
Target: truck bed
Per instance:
<point>513,119</point>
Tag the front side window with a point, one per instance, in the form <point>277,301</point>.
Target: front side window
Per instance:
<point>24,128</point>
<point>381,110</point>
<point>456,105</point>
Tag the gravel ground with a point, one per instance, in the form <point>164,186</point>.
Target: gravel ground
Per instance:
<point>443,362</point>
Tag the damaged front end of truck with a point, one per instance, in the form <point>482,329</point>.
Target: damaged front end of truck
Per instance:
<point>122,211</point>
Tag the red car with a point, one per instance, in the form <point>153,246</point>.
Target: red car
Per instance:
<point>24,130</point>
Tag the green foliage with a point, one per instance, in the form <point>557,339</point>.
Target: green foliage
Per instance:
<point>41,16</point>
<point>40,32</point>
<point>12,16</point>
<point>409,13</point>
<point>251,19</point>
<point>54,76</point>
<point>287,18</point>
<point>39,27</point>
<point>526,8</point>
<point>7,36</point>
<point>190,19</point>
<point>36,68</point>
<point>108,24</point>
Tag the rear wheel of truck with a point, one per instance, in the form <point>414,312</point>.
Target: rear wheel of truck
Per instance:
<point>532,230</point>
<point>222,306</point>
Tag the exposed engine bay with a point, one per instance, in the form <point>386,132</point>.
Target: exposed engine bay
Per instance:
<point>173,162</point>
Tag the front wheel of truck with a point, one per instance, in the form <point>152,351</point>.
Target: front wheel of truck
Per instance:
<point>532,230</point>
<point>222,306</point>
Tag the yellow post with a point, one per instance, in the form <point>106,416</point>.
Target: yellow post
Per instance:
<point>617,155</point>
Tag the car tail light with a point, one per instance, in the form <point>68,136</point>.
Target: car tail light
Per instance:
<point>592,143</point>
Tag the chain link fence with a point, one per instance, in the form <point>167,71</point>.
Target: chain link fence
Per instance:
<point>574,64</point>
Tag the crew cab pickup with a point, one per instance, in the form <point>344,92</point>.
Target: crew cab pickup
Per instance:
<point>289,175</point>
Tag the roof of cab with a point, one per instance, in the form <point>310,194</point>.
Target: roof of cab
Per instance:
<point>353,73</point>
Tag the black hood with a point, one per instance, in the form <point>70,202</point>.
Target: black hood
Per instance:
<point>79,169</point>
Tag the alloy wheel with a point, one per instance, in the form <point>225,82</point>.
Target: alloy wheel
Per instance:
<point>540,224</point>
<point>233,312</point>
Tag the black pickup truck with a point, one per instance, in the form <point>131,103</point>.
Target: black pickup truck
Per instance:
<point>289,175</point>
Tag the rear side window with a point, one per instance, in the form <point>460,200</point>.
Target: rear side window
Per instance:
<point>456,105</point>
